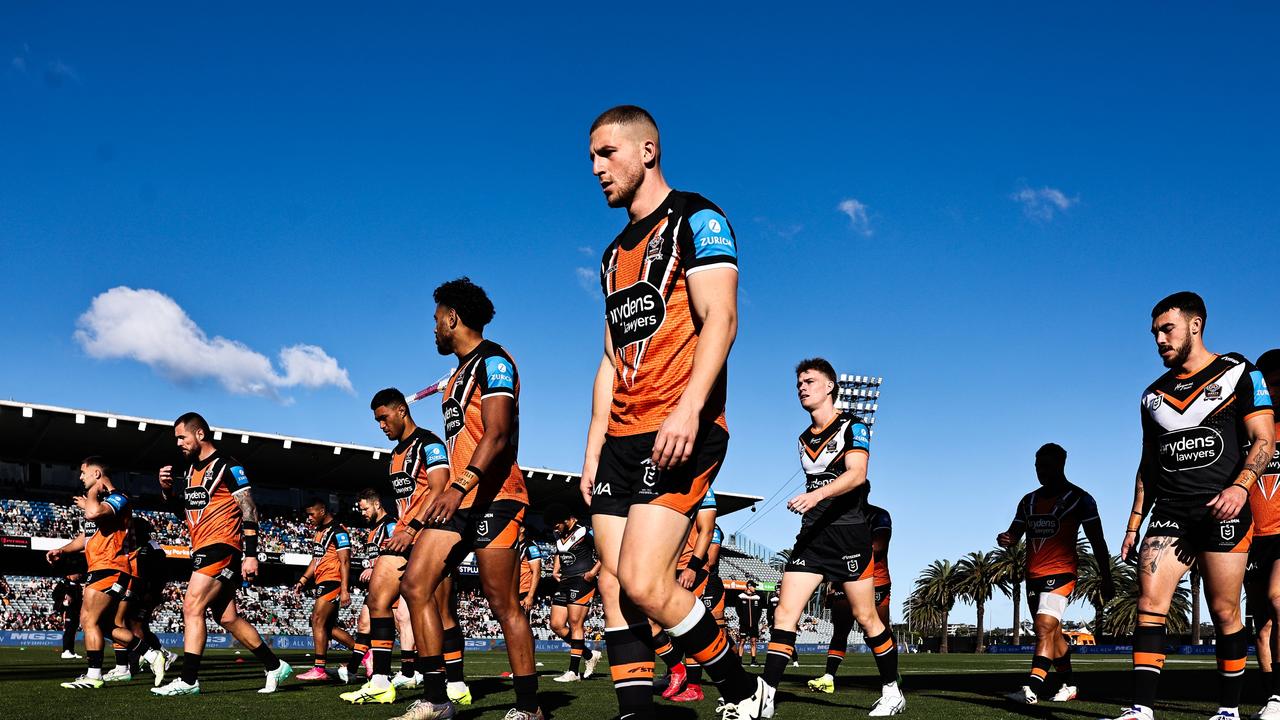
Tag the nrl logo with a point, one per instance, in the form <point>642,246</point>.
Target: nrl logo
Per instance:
<point>1154,402</point>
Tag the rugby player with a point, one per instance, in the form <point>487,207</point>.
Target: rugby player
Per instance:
<point>750,603</point>
<point>484,504</point>
<point>838,602</point>
<point>657,436</point>
<point>1262,581</point>
<point>381,528</point>
<point>68,595</point>
<point>575,568</point>
<point>1051,517</point>
<point>834,543</point>
<point>419,469</point>
<point>107,546</point>
<point>328,576</point>
<point>222,520</point>
<point>530,572</point>
<point>693,571</point>
<point>145,594</point>
<point>1195,480</point>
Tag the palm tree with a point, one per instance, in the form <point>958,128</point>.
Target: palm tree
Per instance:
<point>1011,568</point>
<point>1122,613</point>
<point>780,559</point>
<point>978,575</point>
<point>1089,584</point>
<point>934,597</point>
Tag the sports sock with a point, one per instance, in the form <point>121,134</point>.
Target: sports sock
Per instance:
<point>781,644</point>
<point>1040,665</point>
<point>834,658</point>
<point>1062,667</point>
<point>454,644</point>
<point>666,649</point>
<point>885,648</point>
<point>1148,658</point>
<point>434,688</point>
<point>122,654</point>
<point>266,656</point>
<point>132,654</point>
<point>693,671</point>
<point>382,636</point>
<point>321,658</point>
<point>151,640</point>
<point>526,687</point>
<point>191,667</point>
<point>707,643</point>
<point>357,652</point>
<point>1233,652</point>
<point>576,648</point>
<point>631,665</point>
<point>95,662</point>
<point>1275,678</point>
<point>409,662</point>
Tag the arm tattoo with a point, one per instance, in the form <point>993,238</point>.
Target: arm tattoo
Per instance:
<point>248,510</point>
<point>1259,456</point>
<point>1153,552</point>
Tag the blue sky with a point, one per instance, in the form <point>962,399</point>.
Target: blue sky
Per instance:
<point>979,205</point>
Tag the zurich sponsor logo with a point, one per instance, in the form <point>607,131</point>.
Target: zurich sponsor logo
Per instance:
<point>1261,398</point>
<point>1188,449</point>
<point>436,453</point>
<point>499,372</point>
<point>237,472</point>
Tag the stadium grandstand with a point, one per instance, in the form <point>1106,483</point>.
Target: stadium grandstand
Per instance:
<point>41,447</point>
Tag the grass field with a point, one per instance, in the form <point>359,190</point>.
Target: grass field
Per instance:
<point>955,687</point>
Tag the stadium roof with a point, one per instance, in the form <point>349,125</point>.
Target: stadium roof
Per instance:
<point>33,433</point>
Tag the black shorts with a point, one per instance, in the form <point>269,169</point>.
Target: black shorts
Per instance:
<point>839,553</point>
<point>329,591</point>
<point>713,594</point>
<point>1263,554</point>
<point>1058,586</point>
<point>576,590</point>
<point>749,631</point>
<point>114,583</point>
<point>883,594</point>
<point>1196,531</point>
<point>220,562</point>
<point>625,476</point>
<point>496,526</point>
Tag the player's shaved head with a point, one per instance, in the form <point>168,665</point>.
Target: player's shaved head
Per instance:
<point>634,119</point>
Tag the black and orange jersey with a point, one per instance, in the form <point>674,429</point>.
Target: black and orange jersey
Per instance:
<point>381,532</point>
<point>1051,520</point>
<point>148,554</point>
<point>882,525</point>
<point>1193,427</point>
<point>822,457</point>
<point>325,544</point>
<point>644,275</point>
<point>213,515</point>
<point>487,371</point>
<point>412,460</point>
<point>528,554</point>
<point>108,542</point>
<point>717,539</point>
<point>1264,500</point>
<point>576,551</point>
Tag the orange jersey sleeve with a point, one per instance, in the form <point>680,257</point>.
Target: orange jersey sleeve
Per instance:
<point>326,543</point>
<point>1264,500</point>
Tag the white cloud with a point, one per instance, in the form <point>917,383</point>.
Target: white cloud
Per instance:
<point>857,213</point>
<point>1043,203</point>
<point>586,250</point>
<point>588,280</point>
<point>149,327</point>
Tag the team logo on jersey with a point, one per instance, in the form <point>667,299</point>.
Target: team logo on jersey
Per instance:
<point>452,417</point>
<point>1154,402</point>
<point>1213,392</point>
<point>1189,449</point>
<point>482,528</point>
<point>634,313</point>
<point>653,253</point>
<point>197,498</point>
<point>831,446</point>
<point>402,484</point>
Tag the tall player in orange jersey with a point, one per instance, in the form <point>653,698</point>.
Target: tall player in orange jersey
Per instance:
<point>483,506</point>
<point>658,435</point>
<point>1050,518</point>
<point>108,552</point>
<point>1262,579</point>
<point>223,522</point>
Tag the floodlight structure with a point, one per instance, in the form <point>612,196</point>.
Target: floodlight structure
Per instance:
<point>860,395</point>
